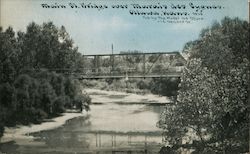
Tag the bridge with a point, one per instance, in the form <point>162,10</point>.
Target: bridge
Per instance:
<point>131,65</point>
<point>127,65</point>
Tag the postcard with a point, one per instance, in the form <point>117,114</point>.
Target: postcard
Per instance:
<point>124,76</point>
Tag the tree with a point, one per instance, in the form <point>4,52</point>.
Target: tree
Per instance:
<point>223,46</point>
<point>165,87</point>
<point>193,107</point>
<point>22,86</point>
<point>7,104</point>
<point>57,81</point>
<point>29,91</point>
<point>82,102</point>
<point>212,100</point>
<point>47,97</point>
<point>30,45</point>
<point>9,55</point>
<point>47,46</point>
<point>25,99</point>
<point>72,88</point>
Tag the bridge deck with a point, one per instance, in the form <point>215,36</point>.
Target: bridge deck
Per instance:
<point>177,75</point>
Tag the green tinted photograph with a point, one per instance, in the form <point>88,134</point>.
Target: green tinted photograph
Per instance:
<point>124,76</point>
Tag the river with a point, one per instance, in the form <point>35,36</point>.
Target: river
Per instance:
<point>117,123</point>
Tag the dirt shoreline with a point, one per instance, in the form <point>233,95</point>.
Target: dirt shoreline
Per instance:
<point>20,133</point>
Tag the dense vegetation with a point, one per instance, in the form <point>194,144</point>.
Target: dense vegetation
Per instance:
<point>159,86</point>
<point>29,90</point>
<point>211,112</point>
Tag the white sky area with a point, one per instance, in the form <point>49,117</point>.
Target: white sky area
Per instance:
<point>94,31</point>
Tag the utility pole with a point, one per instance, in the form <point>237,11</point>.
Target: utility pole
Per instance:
<point>112,61</point>
<point>112,49</point>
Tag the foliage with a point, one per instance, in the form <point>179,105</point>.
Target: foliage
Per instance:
<point>211,107</point>
<point>29,91</point>
<point>8,52</point>
<point>47,46</point>
<point>164,86</point>
<point>159,86</point>
<point>82,102</point>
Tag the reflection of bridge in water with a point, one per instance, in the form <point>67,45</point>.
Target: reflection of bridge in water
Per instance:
<point>131,65</point>
<point>116,143</point>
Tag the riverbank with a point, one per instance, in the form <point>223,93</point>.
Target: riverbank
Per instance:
<point>103,96</point>
<point>125,120</point>
<point>20,133</point>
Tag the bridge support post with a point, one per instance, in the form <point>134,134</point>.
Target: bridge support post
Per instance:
<point>144,65</point>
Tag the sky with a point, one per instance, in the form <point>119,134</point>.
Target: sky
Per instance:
<point>94,31</point>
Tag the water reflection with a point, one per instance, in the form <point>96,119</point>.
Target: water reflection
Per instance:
<point>108,126</point>
<point>112,126</point>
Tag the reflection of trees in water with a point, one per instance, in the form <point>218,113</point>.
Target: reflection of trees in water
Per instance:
<point>77,133</point>
<point>75,123</point>
<point>9,147</point>
<point>65,139</point>
<point>69,135</point>
<point>156,108</point>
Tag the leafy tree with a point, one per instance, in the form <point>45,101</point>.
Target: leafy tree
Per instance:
<point>7,104</point>
<point>22,85</point>
<point>47,97</point>
<point>212,100</point>
<point>9,57</point>
<point>57,82</point>
<point>26,98</point>
<point>59,104</point>
<point>193,107</point>
<point>29,91</point>
<point>165,87</point>
<point>71,88</point>
<point>223,46</point>
<point>82,102</point>
<point>48,47</point>
<point>29,43</point>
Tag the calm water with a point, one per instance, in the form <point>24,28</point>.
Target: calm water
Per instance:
<point>107,128</point>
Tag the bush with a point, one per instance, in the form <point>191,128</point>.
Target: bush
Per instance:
<point>1,128</point>
<point>38,115</point>
<point>82,102</point>
<point>59,104</point>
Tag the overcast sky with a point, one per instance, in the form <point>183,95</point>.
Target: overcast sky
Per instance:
<point>94,31</point>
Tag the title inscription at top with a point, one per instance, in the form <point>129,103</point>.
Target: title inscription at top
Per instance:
<point>172,12</point>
